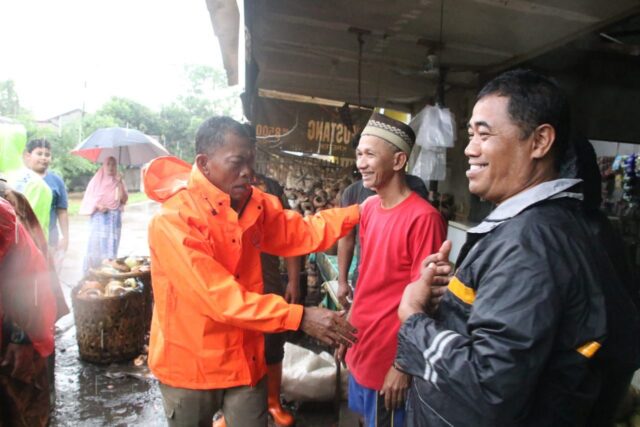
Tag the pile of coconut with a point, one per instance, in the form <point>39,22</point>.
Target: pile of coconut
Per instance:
<point>113,288</point>
<point>115,277</point>
<point>131,264</point>
<point>319,197</point>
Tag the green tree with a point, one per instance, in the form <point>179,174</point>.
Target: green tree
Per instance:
<point>9,101</point>
<point>115,112</point>
<point>176,129</point>
<point>10,106</point>
<point>131,114</point>
<point>92,122</point>
<point>175,125</point>
<point>207,95</point>
<point>62,142</point>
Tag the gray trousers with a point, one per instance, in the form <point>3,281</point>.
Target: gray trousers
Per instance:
<point>243,406</point>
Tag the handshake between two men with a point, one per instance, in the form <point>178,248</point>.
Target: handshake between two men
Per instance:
<point>330,327</point>
<point>420,296</point>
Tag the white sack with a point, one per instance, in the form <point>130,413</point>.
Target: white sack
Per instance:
<point>307,376</point>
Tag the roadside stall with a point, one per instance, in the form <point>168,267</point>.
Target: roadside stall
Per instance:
<point>307,148</point>
<point>619,165</point>
<point>408,55</point>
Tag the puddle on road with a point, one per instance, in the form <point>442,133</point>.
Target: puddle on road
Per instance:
<point>123,395</point>
<point>109,395</point>
<point>120,394</point>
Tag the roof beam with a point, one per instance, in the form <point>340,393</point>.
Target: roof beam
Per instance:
<point>381,35</point>
<point>535,8</point>
<point>225,19</point>
<point>561,41</point>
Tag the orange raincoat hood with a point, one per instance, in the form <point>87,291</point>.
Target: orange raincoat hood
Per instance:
<point>165,176</point>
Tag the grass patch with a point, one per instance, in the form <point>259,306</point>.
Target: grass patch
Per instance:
<point>76,198</point>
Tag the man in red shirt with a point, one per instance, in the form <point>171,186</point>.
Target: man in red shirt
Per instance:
<point>398,229</point>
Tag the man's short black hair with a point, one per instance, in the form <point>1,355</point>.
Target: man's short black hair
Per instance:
<point>534,100</point>
<point>38,143</point>
<point>212,132</point>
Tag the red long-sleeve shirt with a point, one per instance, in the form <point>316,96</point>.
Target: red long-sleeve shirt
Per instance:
<point>394,242</point>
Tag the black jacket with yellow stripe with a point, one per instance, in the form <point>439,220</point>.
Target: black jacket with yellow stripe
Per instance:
<point>516,336</point>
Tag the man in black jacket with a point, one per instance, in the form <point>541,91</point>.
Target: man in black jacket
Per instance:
<point>516,338</point>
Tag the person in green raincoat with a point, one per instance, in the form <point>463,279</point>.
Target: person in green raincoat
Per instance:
<point>13,139</point>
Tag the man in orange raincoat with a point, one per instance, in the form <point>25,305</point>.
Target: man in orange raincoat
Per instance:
<point>210,313</point>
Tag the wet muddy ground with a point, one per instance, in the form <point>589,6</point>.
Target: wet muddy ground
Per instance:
<point>124,394</point>
<point>94,395</point>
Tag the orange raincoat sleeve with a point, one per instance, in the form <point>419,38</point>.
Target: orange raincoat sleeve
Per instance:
<point>204,282</point>
<point>287,233</point>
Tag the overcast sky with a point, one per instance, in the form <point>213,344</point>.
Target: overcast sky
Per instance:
<point>130,48</point>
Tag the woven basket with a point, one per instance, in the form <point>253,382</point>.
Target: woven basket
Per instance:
<point>147,290</point>
<point>109,329</point>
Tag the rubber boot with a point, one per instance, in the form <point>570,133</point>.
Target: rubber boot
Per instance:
<point>281,417</point>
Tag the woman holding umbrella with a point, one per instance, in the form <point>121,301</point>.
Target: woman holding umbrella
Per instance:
<point>104,200</point>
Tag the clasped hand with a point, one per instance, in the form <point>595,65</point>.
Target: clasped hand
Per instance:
<point>424,295</point>
<point>328,326</point>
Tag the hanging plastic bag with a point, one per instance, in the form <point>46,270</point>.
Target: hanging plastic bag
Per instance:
<point>430,164</point>
<point>434,127</point>
<point>435,130</point>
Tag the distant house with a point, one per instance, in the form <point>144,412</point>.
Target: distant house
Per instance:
<point>59,121</point>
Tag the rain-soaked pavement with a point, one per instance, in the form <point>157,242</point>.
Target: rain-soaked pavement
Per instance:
<point>121,394</point>
<point>93,395</point>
